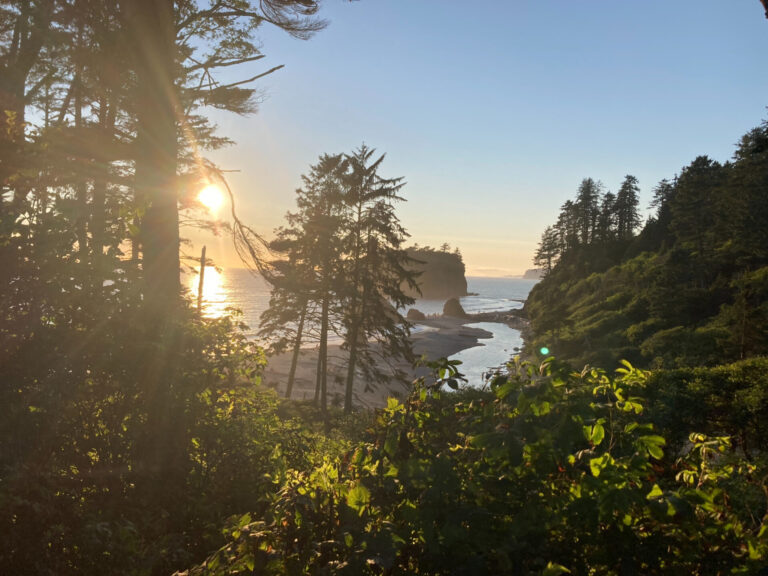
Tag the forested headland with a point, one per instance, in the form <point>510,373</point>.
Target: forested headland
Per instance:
<point>688,288</point>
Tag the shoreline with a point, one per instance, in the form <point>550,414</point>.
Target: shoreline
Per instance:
<point>444,337</point>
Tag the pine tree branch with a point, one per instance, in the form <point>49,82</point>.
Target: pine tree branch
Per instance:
<point>214,86</point>
<point>220,63</point>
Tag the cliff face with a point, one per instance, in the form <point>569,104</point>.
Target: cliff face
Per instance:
<point>442,273</point>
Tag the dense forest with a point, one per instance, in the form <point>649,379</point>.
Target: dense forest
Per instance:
<point>135,435</point>
<point>690,288</point>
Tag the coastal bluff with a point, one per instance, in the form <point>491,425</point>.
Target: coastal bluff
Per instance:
<point>442,273</point>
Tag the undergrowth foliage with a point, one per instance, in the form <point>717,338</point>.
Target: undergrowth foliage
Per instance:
<point>78,494</point>
<point>547,472</point>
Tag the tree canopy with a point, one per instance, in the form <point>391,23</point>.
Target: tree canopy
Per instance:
<point>685,291</point>
<point>345,271</point>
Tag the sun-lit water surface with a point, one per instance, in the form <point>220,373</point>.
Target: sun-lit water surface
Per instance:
<point>228,288</point>
<point>239,288</point>
<point>479,361</point>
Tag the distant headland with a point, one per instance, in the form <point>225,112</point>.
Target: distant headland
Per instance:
<point>534,274</point>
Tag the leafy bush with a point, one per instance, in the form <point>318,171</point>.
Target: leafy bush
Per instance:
<point>548,472</point>
<point>81,491</point>
<point>729,400</point>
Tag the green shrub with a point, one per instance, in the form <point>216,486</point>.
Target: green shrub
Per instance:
<point>546,473</point>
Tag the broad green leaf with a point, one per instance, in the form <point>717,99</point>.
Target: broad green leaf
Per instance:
<point>358,498</point>
<point>754,553</point>
<point>554,570</point>
<point>598,433</point>
<point>654,493</point>
<point>653,444</point>
<point>596,465</point>
<point>250,562</point>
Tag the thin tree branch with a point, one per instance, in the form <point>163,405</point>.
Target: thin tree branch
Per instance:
<point>213,86</point>
<point>210,64</point>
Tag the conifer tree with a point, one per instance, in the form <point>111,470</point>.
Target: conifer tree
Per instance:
<point>304,288</point>
<point>567,227</point>
<point>607,220</point>
<point>695,207</point>
<point>548,250</point>
<point>627,201</point>
<point>376,268</point>
<point>587,209</point>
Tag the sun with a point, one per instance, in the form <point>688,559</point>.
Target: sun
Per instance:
<point>211,197</point>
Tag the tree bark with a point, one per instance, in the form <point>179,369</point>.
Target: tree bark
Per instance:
<point>323,356</point>
<point>107,121</point>
<point>81,187</point>
<point>353,337</point>
<point>356,318</point>
<point>296,350</point>
<point>150,24</point>
<point>153,34</point>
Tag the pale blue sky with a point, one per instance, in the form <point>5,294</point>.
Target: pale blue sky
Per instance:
<point>494,111</point>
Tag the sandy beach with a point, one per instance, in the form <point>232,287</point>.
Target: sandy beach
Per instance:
<point>440,337</point>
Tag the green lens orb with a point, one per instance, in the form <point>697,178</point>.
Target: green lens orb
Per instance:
<point>544,350</point>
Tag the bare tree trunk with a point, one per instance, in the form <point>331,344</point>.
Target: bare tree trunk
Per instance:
<point>318,372</point>
<point>323,357</point>
<point>81,188</point>
<point>201,283</point>
<point>296,350</point>
<point>353,338</point>
<point>99,200</point>
<point>162,452</point>
<point>152,25</point>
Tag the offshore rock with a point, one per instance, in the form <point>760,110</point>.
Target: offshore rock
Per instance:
<point>453,308</point>
<point>414,314</point>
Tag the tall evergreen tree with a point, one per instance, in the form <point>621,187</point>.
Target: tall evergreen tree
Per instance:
<point>606,229</point>
<point>567,227</point>
<point>748,210</point>
<point>627,201</point>
<point>587,209</point>
<point>548,250</point>
<point>376,269</point>
<point>304,294</point>
<point>696,206</point>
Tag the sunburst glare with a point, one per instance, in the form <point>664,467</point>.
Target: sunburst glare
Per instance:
<point>214,293</point>
<point>211,197</point>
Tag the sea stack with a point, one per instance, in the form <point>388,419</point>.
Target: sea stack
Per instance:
<point>453,308</point>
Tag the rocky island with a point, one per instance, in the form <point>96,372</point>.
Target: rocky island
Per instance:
<point>441,272</point>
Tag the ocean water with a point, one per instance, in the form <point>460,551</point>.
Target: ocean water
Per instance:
<point>238,288</point>
<point>488,295</point>
<point>480,363</point>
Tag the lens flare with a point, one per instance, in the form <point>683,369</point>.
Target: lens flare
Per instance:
<point>211,197</point>
<point>544,350</point>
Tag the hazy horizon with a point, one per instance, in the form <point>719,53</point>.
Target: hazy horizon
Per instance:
<point>493,116</point>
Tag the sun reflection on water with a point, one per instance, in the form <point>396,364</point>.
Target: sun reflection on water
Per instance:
<point>215,300</point>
